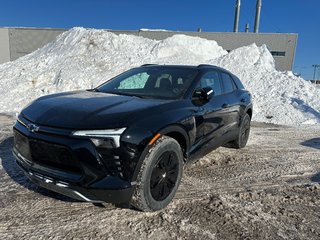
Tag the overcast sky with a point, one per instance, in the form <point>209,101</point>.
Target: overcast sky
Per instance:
<point>281,16</point>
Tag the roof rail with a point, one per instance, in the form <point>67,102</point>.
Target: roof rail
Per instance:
<point>148,64</point>
<point>205,65</point>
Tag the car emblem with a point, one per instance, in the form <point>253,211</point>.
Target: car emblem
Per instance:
<point>32,128</point>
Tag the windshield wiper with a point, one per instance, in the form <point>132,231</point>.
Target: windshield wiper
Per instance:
<point>93,90</point>
<point>135,95</point>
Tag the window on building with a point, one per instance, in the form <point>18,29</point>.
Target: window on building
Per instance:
<point>278,54</point>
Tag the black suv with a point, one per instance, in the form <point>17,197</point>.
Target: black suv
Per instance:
<point>127,140</point>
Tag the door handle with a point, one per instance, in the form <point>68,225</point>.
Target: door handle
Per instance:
<point>225,105</point>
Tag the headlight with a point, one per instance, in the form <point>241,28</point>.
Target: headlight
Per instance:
<point>109,138</point>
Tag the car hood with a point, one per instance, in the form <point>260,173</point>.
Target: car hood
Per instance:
<point>88,110</point>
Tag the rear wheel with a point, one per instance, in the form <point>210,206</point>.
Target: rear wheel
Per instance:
<point>159,176</point>
<point>243,135</point>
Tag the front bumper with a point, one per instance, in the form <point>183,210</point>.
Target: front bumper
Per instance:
<point>74,191</point>
<point>81,174</point>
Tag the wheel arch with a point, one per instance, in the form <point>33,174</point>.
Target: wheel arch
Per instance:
<point>180,135</point>
<point>177,132</point>
<point>249,112</point>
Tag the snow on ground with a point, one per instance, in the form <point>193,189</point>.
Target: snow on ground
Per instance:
<point>269,192</point>
<point>81,59</point>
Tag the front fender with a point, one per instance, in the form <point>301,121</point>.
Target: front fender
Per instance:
<point>143,148</point>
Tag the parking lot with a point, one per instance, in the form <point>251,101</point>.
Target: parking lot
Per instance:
<point>268,190</point>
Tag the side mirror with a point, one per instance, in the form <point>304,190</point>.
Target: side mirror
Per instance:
<point>203,94</point>
<point>207,93</point>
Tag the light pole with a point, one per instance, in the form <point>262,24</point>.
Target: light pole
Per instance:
<point>315,70</point>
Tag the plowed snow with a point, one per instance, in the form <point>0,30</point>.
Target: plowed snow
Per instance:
<point>81,59</point>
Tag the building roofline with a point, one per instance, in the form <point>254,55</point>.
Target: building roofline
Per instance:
<point>139,30</point>
<point>32,28</point>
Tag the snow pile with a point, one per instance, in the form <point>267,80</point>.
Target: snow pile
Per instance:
<point>81,59</point>
<point>279,97</point>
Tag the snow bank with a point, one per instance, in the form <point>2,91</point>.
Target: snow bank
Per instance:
<point>81,59</point>
<point>279,97</point>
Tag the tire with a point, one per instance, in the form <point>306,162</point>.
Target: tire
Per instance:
<point>243,135</point>
<point>159,176</point>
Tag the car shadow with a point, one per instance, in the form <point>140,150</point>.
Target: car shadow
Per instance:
<point>17,175</point>
<point>316,178</point>
<point>313,143</point>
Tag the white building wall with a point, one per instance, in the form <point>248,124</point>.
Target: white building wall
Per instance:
<point>4,45</point>
<point>26,40</point>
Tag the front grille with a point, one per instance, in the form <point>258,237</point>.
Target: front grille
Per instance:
<point>46,154</point>
<point>21,143</point>
<point>53,155</point>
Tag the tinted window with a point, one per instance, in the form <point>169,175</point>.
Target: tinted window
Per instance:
<point>211,79</point>
<point>238,82</point>
<point>278,54</point>
<point>152,82</point>
<point>228,84</point>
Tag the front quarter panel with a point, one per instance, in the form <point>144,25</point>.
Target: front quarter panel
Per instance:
<point>135,140</point>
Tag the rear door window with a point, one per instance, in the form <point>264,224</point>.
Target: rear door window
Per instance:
<point>228,84</point>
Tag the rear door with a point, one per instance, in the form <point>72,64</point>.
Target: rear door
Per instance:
<point>216,111</point>
<point>231,96</point>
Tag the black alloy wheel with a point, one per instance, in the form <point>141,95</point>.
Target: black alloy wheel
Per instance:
<point>243,135</point>
<point>164,176</point>
<point>159,176</point>
<point>245,131</point>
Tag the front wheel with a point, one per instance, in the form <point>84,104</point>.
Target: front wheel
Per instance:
<point>159,176</point>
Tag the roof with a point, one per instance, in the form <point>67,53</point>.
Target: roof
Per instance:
<point>184,66</point>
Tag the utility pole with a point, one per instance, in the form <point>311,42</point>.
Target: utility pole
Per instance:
<point>315,66</point>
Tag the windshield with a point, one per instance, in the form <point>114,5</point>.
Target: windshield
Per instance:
<point>152,82</point>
